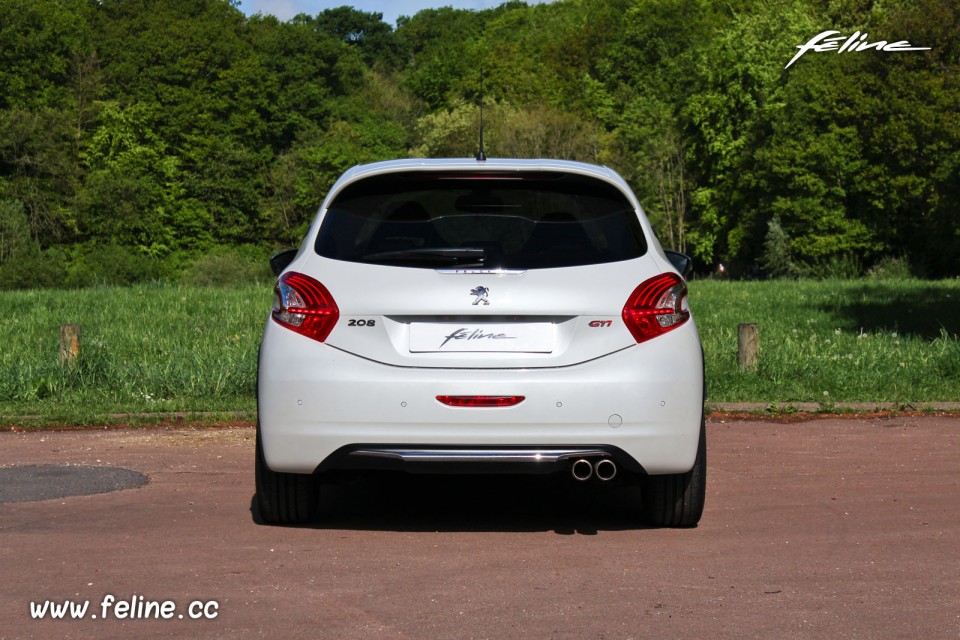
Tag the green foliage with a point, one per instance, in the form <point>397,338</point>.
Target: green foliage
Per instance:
<point>844,266</point>
<point>14,230</point>
<point>40,167</point>
<point>544,132</point>
<point>777,258</point>
<point>533,132</point>
<point>133,186</point>
<point>160,131</point>
<point>450,133</point>
<point>34,269</point>
<point>434,40</point>
<point>42,49</point>
<point>84,265</point>
<point>891,268</point>
<point>229,267</point>
<point>92,264</point>
<point>300,179</point>
<point>736,96</point>
<point>365,31</point>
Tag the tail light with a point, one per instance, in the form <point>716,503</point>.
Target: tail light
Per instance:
<point>304,305</point>
<point>656,307</point>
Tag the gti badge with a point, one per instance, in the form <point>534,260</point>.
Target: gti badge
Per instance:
<point>481,293</point>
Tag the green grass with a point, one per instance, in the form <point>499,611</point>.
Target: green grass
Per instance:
<point>833,341</point>
<point>161,349</point>
<point>143,349</point>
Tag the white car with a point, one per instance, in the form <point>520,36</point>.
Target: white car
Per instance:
<point>514,316</point>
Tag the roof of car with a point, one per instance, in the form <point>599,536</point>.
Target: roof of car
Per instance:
<point>470,164</point>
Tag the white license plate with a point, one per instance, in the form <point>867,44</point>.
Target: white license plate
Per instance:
<point>481,337</point>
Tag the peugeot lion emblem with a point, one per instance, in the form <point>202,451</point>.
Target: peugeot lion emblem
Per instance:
<point>481,293</point>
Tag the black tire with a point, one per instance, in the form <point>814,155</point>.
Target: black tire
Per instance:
<point>284,498</point>
<point>676,500</point>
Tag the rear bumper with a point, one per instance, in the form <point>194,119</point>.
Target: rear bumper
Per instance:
<point>317,405</point>
<point>476,460</point>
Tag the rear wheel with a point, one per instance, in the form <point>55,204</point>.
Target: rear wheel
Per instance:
<point>284,498</point>
<point>676,500</point>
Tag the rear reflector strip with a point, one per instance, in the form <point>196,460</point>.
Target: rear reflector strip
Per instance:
<point>480,401</point>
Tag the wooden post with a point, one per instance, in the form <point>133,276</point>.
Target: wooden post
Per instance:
<point>69,342</point>
<point>748,346</point>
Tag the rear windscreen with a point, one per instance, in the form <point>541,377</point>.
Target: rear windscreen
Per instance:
<point>481,220</point>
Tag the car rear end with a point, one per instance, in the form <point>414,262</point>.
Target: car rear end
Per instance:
<point>457,316</point>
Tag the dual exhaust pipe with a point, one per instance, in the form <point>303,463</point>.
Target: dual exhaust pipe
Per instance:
<point>604,469</point>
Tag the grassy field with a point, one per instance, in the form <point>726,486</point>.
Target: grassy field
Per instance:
<point>181,349</point>
<point>833,341</point>
<point>143,349</point>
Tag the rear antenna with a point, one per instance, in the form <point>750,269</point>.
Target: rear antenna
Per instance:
<point>481,156</point>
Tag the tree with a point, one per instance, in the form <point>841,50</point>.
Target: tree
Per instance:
<point>182,127</point>
<point>367,32</point>
<point>300,179</point>
<point>133,193</point>
<point>14,230</point>
<point>40,169</point>
<point>777,257</point>
<point>738,94</point>
<point>433,42</point>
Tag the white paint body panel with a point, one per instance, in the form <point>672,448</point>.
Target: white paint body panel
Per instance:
<point>394,297</point>
<point>364,385</point>
<point>315,398</point>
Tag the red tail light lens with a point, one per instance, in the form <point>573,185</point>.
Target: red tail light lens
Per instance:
<point>656,307</point>
<point>304,305</point>
<point>480,401</point>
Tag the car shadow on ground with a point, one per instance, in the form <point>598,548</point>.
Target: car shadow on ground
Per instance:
<point>922,311</point>
<point>452,503</point>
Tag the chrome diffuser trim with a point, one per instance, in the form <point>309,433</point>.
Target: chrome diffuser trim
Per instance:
<point>478,455</point>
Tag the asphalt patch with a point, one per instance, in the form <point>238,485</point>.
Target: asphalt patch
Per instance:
<point>31,483</point>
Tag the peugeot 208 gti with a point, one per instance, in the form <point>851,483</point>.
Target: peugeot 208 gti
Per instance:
<point>512,316</point>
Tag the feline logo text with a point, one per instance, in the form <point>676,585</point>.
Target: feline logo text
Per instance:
<point>826,41</point>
